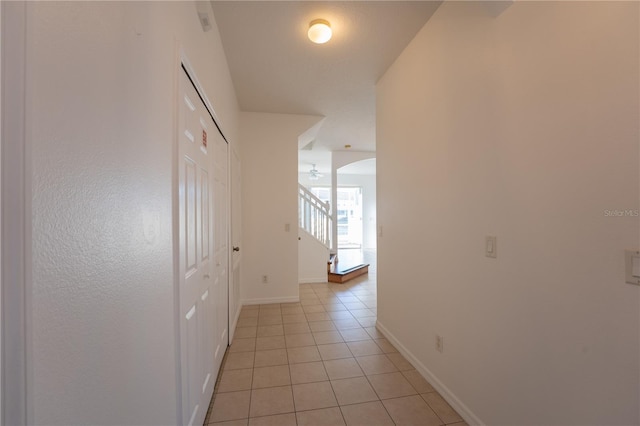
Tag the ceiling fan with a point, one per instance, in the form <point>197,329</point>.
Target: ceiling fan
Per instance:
<point>313,173</point>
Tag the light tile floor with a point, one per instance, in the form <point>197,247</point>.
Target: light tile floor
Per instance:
<point>321,362</point>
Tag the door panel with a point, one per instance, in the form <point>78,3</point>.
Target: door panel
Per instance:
<point>192,370</point>
<point>204,235</point>
<point>191,214</point>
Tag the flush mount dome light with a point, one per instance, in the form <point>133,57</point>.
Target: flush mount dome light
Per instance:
<point>319,31</point>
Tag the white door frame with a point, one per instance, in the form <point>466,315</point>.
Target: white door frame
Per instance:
<point>1,100</point>
<point>234,260</point>
<point>1,322</point>
<point>16,218</point>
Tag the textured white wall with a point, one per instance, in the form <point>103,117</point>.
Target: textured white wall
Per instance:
<point>100,109</point>
<point>523,126</point>
<point>269,201</point>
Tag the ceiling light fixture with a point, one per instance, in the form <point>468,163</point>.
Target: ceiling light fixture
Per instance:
<point>319,31</point>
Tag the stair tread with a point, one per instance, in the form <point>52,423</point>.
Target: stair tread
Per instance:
<point>346,274</point>
<point>343,270</point>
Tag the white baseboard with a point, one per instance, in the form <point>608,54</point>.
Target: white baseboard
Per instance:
<point>322,279</point>
<point>449,396</point>
<point>232,326</point>
<point>267,300</point>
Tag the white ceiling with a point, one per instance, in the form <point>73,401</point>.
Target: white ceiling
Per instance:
<point>322,162</point>
<point>276,69</point>
<point>362,167</point>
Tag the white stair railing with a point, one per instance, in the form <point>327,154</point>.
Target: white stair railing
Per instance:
<point>314,216</point>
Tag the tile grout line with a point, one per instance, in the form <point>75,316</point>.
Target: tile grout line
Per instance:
<point>320,296</point>
<point>253,371</point>
<point>329,378</point>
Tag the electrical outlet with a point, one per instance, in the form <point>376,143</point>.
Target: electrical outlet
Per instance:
<point>265,279</point>
<point>439,343</point>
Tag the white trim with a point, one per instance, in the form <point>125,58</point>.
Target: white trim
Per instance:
<point>199,88</point>
<point>230,270</point>
<point>268,300</point>
<point>320,280</point>
<point>16,218</point>
<point>232,326</point>
<point>446,393</point>
<point>233,218</point>
<point>175,225</point>
<point>1,100</point>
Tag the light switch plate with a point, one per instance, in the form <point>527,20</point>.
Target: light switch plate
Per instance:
<point>491,246</point>
<point>632,266</point>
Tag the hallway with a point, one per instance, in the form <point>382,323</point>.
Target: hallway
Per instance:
<point>322,362</point>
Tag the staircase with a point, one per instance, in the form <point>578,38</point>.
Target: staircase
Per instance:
<point>315,222</point>
<point>314,216</point>
<point>337,273</point>
<point>314,237</point>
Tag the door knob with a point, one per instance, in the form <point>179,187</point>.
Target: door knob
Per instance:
<point>236,249</point>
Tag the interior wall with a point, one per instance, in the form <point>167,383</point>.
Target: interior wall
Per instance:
<point>101,107</point>
<point>342,158</point>
<point>269,147</point>
<point>522,126</point>
<point>312,259</point>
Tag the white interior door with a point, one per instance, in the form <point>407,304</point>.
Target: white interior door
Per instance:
<point>236,236</point>
<point>198,287</point>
